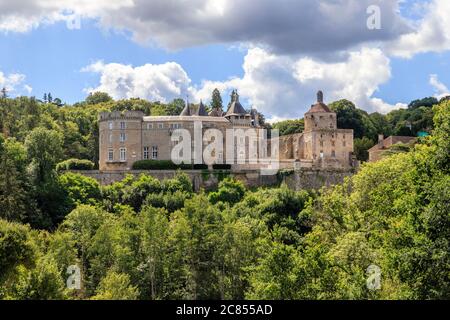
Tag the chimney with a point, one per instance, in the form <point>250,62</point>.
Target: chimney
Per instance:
<point>380,139</point>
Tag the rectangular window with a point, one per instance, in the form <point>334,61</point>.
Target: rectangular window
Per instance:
<point>343,143</point>
<point>122,126</point>
<point>333,154</point>
<point>110,154</point>
<point>146,153</point>
<point>149,125</point>
<point>161,125</point>
<point>110,125</point>
<point>154,152</point>
<point>123,154</point>
<point>123,137</point>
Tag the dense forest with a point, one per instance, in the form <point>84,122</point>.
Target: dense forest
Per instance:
<point>142,238</point>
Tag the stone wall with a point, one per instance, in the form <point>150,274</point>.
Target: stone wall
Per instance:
<point>304,179</point>
<point>200,179</point>
<point>314,179</point>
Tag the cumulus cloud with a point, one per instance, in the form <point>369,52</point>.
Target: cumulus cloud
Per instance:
<point>285,87</point>
<point>162,82</point>
<point>432,33</point>
<point>285,26</point>
<point>14,83</point>
<point>24,15</point>
<point>280,86</point>
<point>440,88</point>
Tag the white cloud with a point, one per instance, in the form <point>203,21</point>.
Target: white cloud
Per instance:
<point>279,86</point>
<point>285,87</point>
<point>432,33</point>
<point>28,89</point>
<point>284,26</point>
<point>13,82</point>
<point>288,26</point>
<point>440,88</point>
<point>25,15</point>
<point>162,82</point>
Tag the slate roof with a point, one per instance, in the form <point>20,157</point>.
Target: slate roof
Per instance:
<point>235,107</point>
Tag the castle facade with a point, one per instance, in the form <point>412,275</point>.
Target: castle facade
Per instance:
<point>129,136</point>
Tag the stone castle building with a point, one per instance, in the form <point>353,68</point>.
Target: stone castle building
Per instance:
<point>129,136</point>
<point>321,144</point>
<point>376,152</point>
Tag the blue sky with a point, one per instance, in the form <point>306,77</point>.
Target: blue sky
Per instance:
<point>52,58</point>
<point>277,66</point>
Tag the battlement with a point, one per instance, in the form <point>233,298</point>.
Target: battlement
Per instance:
<point>121,115</point>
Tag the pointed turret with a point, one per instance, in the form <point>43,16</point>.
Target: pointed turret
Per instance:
<point>202,110</point>
<point>235,107</point>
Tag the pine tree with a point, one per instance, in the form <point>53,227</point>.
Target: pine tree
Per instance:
<point>4,93</point>
<point>45,98</point>
<point>49,97</point>
<point>216,101</point>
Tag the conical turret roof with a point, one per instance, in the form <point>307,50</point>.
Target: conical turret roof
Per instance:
<point>235,106</point>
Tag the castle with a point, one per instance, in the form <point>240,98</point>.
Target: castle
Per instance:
<point>126,137</point>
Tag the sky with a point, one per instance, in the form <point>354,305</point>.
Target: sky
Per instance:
<point>380,54</point>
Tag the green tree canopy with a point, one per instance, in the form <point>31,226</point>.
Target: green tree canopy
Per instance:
<point>98,97</point>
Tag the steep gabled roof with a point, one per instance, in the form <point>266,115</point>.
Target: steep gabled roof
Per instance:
<point>235,106</point>
<point>190,110</point>
<point>201,111</point>
<point>216,112</point>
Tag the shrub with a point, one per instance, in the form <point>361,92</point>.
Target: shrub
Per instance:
<point>135,194</point>
<point>230,191</point>
<point>155,200</point>
<point>158,165</point>
<point>219,166</point>
<point>180,182</point>
<point>80,189</point>
<point>200,166</point>
<point>75,164</point>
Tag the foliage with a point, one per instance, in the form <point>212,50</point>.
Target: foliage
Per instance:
<point>361,147</point>
<point>98,97</point>
<point>216,100</point>
<point>349,117</point>
<point>142,238</point>
<point>75,164</point>
<point>220,166</point>
<point>44,148</point>
<point>80,189</point>
<point>116,286</point>
<point>158,165</point>
<point>230,191</point>
<point>289,126</point>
